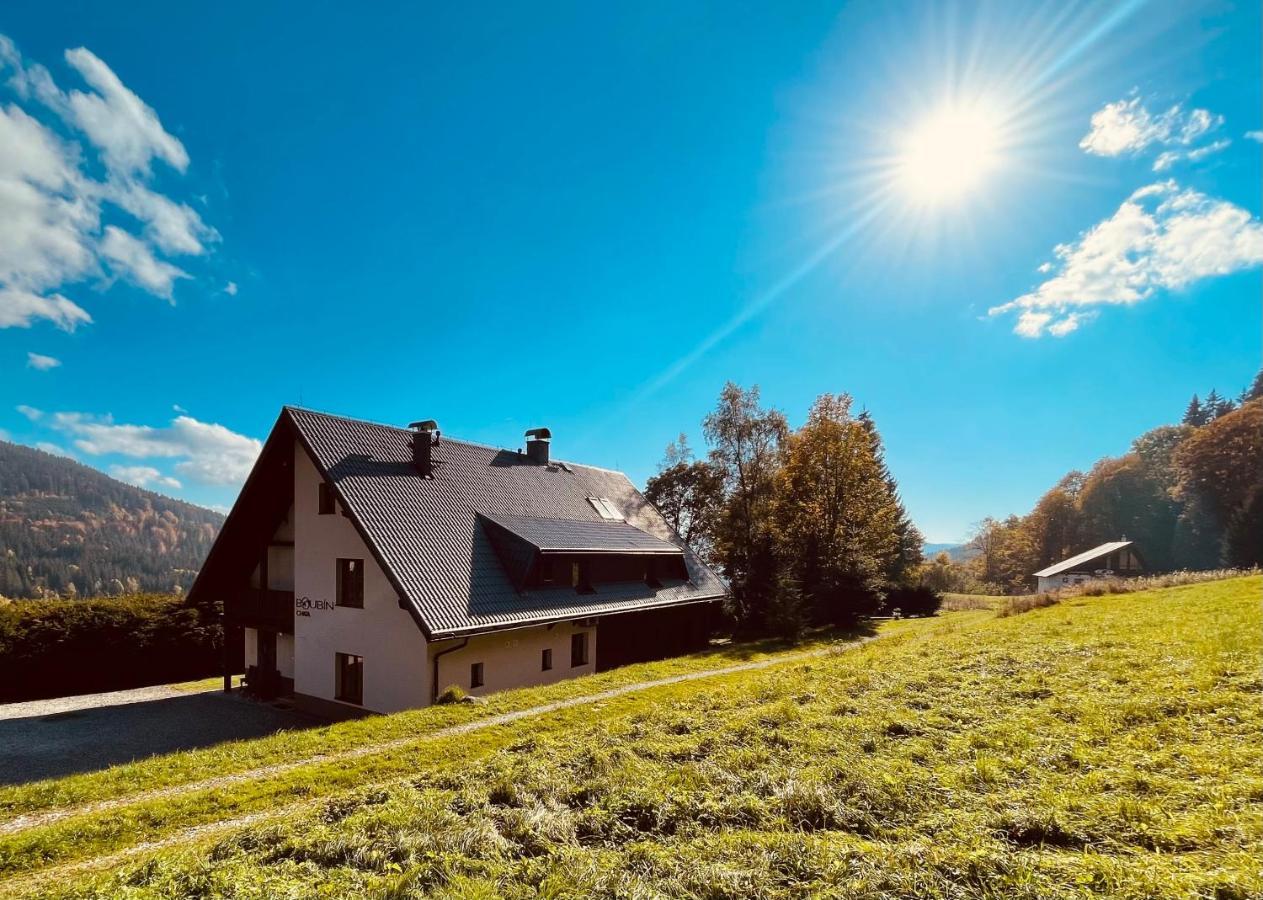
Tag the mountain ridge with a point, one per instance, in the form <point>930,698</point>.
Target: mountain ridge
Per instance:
<point>67,529</point>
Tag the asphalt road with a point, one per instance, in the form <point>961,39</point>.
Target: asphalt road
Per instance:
<point>53,738</point>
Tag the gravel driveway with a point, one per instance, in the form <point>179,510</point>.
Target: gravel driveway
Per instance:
<point>52,738</point>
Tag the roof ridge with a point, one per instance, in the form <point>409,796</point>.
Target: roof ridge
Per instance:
<point>319,412</point>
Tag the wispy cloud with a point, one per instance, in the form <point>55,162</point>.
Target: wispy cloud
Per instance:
<point>54,449</point>
<point>60,224</point>
<point>41,362</point>
<point>206,452</point>
<point>30,412</point>
<point>1163,237</point>
<point>1256,136</point>
<point>1128,128</point>
<point>144,476</point>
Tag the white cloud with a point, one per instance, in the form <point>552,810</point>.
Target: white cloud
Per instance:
<point>1256,136</point>
<point>55,215</point>
<point>30,412</point>
<point>1126,127</point>
<point>41,362</point>
<point>131,257</point>
<point>54,449</point>
<point>1168,158</point>
<point>207,452</point>
<point>231,289</point>
<point>19,308</point>
<point>1163,237</point>
<point>126,130</point>
<point>144,476</point>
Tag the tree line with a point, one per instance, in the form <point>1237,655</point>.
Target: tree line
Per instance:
<point>1190,495</point>
<point>806,524</point>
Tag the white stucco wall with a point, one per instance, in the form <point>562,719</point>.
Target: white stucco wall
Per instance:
<point>1056,582</point>
<point>394,649</point>
<point>513,659</point>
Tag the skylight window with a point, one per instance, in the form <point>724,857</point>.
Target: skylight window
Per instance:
<point>605,508</point>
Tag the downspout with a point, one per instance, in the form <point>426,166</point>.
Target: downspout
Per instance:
<point>434,681</point>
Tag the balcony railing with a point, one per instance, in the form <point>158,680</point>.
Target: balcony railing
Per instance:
<point>258,608</point>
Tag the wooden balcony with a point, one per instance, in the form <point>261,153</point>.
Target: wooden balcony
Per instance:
<point>257,608</point>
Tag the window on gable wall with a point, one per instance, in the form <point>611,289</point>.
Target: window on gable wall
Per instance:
<point>605,509</point>
<point>326,499</point>
<point>351,583</point>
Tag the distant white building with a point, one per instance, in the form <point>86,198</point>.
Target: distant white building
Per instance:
<point>1116,559</point>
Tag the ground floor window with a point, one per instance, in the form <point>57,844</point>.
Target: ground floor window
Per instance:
<point>546,662</point>
<point>579,649</point>
<point>475,675</point>
<point>350,678</point>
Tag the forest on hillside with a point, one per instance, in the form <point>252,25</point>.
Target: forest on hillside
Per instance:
<point>1189,494</point>
<point>67,530</point>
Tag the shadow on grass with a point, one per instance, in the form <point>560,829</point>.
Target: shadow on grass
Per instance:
<point>743,650</point>
<point>85,740</point>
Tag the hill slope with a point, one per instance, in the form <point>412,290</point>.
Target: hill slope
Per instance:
<point>63,524</point>
<point>1104,746</point>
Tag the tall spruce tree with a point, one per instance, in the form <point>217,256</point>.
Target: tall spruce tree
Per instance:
<point>1195,414</point>
<point>910,549</point>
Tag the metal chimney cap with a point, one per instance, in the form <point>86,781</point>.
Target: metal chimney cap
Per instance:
<point>539,434</point>
<point>425,425</point>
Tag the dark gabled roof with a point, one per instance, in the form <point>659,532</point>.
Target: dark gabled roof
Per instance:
<point>577,536</point>
<point>426,534</point>
<point>1086,556</point>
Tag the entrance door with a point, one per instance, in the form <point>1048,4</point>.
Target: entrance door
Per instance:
<point>269,679</point>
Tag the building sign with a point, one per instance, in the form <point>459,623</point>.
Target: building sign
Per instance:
<point>304,605</point>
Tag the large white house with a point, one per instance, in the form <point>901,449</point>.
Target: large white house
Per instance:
<point>366,567</point>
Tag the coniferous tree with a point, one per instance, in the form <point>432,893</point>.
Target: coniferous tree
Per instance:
<point>1194,413</point>
<point>1254,391</point>
<point>1216,406</point>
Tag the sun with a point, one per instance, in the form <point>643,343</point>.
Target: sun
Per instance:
<point>949,154</point>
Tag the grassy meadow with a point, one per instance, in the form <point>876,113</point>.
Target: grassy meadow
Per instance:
<point>1104,746</point>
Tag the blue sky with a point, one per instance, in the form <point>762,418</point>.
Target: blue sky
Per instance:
<point>590,217</point>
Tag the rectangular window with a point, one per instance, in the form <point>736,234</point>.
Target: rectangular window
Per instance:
<point>605,508</point>
<point>351,583</point>
<point>475,675</point>
<point>581,577</point>
<point>350,678</point>
<point>326,499</point>
<point>546,662</point>
<point>579,649</point>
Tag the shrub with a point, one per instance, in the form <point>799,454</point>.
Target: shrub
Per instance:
<point>453,693</point>
<point>50,648</point>
<point>917,600</point>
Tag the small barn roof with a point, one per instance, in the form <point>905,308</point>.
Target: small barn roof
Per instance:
<point>1086,556</point>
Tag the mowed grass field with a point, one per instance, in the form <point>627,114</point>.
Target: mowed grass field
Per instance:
<point>1105,746</point>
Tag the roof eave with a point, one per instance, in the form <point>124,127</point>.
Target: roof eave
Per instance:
<point>468,631</point>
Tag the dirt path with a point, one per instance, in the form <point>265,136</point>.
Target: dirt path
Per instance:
<point>20,884</point>
<point>48,817</point>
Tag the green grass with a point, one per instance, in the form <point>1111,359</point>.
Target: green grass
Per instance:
<point>1104,746</point>
<point>204,684</point>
